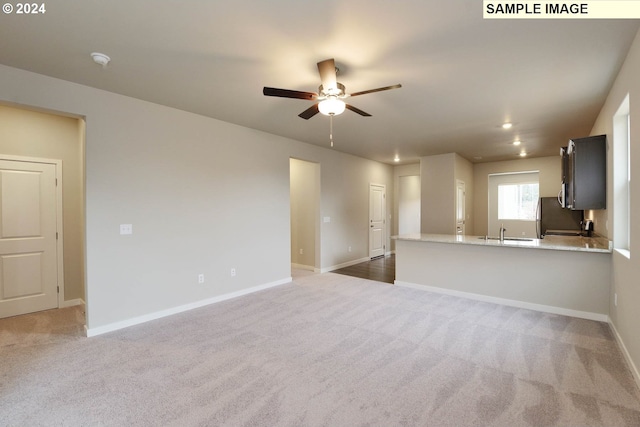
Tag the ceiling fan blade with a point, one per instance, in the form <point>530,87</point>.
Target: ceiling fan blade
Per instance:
<point>309,112</point>
<point>287,93</point>
<point>380,89</point>
<point>327,69</point>
<point>357,110</point>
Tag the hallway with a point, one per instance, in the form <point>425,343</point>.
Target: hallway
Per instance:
<point>382,269</point>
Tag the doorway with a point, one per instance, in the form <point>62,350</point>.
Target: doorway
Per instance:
<point>377,222</point>
<point>305,214</point>
<point>460,207</point>
<point>30,135</point>
<point>30,245</point>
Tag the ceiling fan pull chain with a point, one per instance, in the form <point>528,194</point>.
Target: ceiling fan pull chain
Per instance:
<point>331,129</point>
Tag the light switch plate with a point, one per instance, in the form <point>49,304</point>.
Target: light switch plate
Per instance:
<point>126,229</point>
<point>327,219</point>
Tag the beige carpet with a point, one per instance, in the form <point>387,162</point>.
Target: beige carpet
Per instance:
<point>326,350</point>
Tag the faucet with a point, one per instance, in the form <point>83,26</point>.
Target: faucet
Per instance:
<point>502,230</point>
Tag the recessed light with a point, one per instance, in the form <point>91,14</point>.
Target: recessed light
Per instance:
<point>523,154</point>
<point>396,158</point>
<point>100,58</point>
<point>517,142</point>
<point>507,125</point>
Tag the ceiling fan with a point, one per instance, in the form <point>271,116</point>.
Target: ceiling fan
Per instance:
<point>330,93</point>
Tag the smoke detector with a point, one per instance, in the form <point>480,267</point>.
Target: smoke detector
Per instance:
<point>100,59</point>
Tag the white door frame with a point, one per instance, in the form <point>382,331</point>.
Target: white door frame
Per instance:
<point>59,222</point>
<point>384,220</point>
<point>461,212</point>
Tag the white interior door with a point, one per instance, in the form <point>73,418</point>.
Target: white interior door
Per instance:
<point>28,249</point>
<point>377,223</point>
<point>460,207</point>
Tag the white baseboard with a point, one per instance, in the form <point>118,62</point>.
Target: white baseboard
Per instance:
<point>92,332</point>
<point>509,302</point>
<point>343,265</point>
<point>71,303</point>
<point>303,267</point>
<point>623,348</point>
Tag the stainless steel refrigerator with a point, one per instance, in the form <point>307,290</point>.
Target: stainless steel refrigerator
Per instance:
<point>553,219</point>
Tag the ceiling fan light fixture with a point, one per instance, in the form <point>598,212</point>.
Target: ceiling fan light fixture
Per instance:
<point>331,106</point>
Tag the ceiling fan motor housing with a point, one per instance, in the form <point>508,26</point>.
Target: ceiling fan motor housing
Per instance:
<point>338,91</point>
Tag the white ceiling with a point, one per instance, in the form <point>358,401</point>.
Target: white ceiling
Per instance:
<point>462,76</point>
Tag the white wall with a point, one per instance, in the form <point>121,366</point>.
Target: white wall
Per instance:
<point>409,204</point>
<point>626,315</point>
<point>438,175</point>
<point>204,196</point>
<point>438,204</point>
<point>345,200</point>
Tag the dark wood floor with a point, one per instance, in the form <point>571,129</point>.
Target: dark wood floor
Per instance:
<point>382,269</point>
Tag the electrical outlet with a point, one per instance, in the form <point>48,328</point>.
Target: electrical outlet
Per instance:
<point>126,229</point>
<point>301,251</point>
<point>615,299</point>
<point>200,278</point>
<point>349,248</point>
<point>233,272</point>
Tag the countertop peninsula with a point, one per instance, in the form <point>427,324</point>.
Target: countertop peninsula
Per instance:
<point>568,275</point>
<point>557,243</point>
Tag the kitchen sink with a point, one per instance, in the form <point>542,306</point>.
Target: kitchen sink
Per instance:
<point>517,239</point>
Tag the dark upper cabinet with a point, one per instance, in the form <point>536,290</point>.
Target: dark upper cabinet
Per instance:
<point>584,173</point>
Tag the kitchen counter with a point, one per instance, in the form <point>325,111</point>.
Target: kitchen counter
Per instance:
<point>567,275</point>
<point>557,243</point>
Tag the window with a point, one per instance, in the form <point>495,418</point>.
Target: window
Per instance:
<point>513,202</point>
<point>621,178</point>
<point>518,201</point>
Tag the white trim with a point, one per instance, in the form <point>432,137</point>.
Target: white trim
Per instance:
<point>623,348</point>
<point>343,265</point>
<point>92,332</point>
<point>302,267</point>
<point>72,303</point>
<point>29,159</point>
<point>509,302</point>
<point>60,233</point>
<point>624,252</point>
<point>387,227</point>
